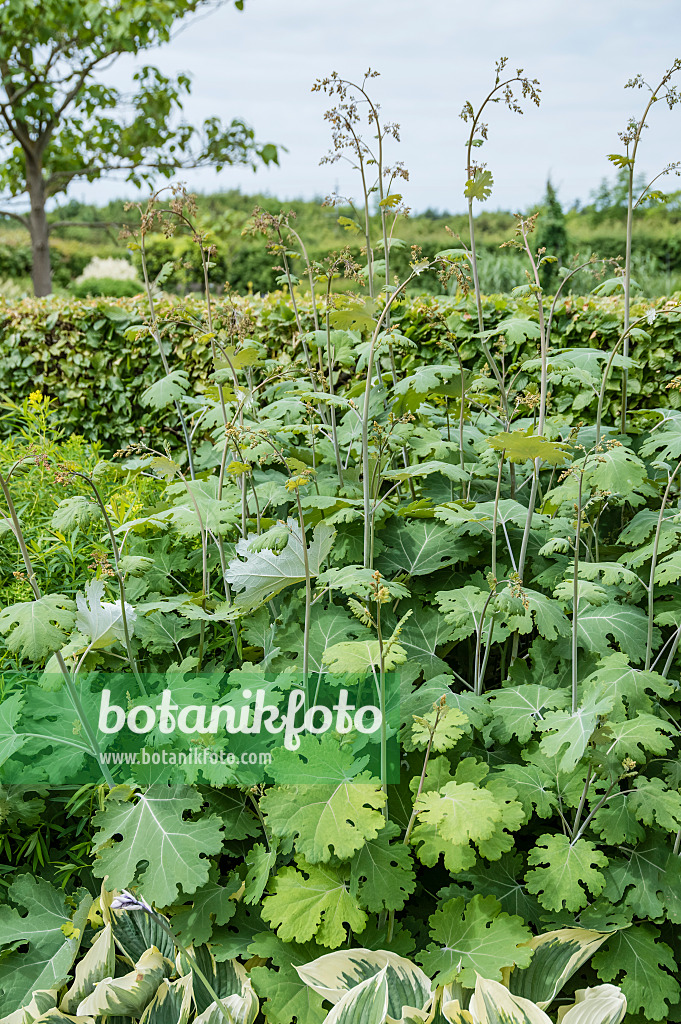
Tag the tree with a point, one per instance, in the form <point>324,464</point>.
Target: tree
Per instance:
<point>552,235</point>
<point>59,122</point>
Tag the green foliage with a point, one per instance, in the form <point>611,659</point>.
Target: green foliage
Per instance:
<point>79,353</point>
<point>298,509</point>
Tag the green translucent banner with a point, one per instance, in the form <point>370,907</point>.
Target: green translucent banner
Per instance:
<point>238,728</point>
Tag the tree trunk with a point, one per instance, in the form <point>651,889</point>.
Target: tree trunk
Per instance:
<point>41,272</point>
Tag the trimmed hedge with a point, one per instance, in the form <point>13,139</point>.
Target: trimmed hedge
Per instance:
<point>69,258</point>
<point>77,352</point>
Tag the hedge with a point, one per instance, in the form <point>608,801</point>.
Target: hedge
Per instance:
<point>77,351</point>
<point>69,258</point>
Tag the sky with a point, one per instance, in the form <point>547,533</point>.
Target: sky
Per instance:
<point>432,55</point>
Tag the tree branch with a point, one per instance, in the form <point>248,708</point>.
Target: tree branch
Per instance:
<point>15,216</point>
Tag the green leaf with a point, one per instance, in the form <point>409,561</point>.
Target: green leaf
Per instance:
<point>381,872</point>
<point>629,687</point>
<point>153,831</point>
<point>523,446</point>
<point>72,512</point>
<point>352,314</point>
<point>477,938</point>
<point>451,726</point>
<point>616,822</point>
<point>634,738</point>
<point>635,960</point>
<point>616,470</point>
<point>212,904</point>
<point>534,787</point>
<point>480,185</point>
<point>286,996</point>
<point>620,160</point>
<point>260,860</point>
<point>354,579</point>
<point>318,905</point>
<point>216,515</point>
<point>566,872</point>
<point>626,624</point>
<point>463,609</point>
<point>668,570</point>
<point>358,656</point>
<point>512,817</point>
<point>422,634</point>
<point>101,622</point>
<point>516,329</point>
<point>419,547</point>
<point>460,812</point>
<point>166,390</point>
<point>448,469</point>
<point>329,626</point>
<point>35,629</point>
<point>10,739</point>
<point>566,735</point>
<point>653,801</point>
<point>519,710</point>
<point>324,819</point>
<point>43,942</point>
<point>261,575</point>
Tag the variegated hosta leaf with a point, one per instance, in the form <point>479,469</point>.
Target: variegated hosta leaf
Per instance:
<point>213,1015</point>
<point>229,981</point>
<point>99,962</point>
<point>492,1003</point>
<point>453,1014</point>
<point>242,1009</point>
<point>130,994</point>
<point>57,1017</point>
<point>557,955</point>
<point>172,1003</point>
<point>602,1004</point>
<point>443,1007</point>
<point>41,1001</point>
<point>366,1003</point>
<point>336,973</point>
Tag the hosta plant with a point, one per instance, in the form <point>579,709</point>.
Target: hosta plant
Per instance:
<point>135,967</point>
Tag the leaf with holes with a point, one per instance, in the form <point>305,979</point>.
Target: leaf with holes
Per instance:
<point>566,872</point>
<point>477,938</point>
<point>159,848</point>
<point>35,629</point>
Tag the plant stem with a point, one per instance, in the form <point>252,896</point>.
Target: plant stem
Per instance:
<point>159,344</point>
<point>366,473</point>
<point>119,576</point>
<point>308,593</point>
<point>575,591</point>
<point>653,566</point>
